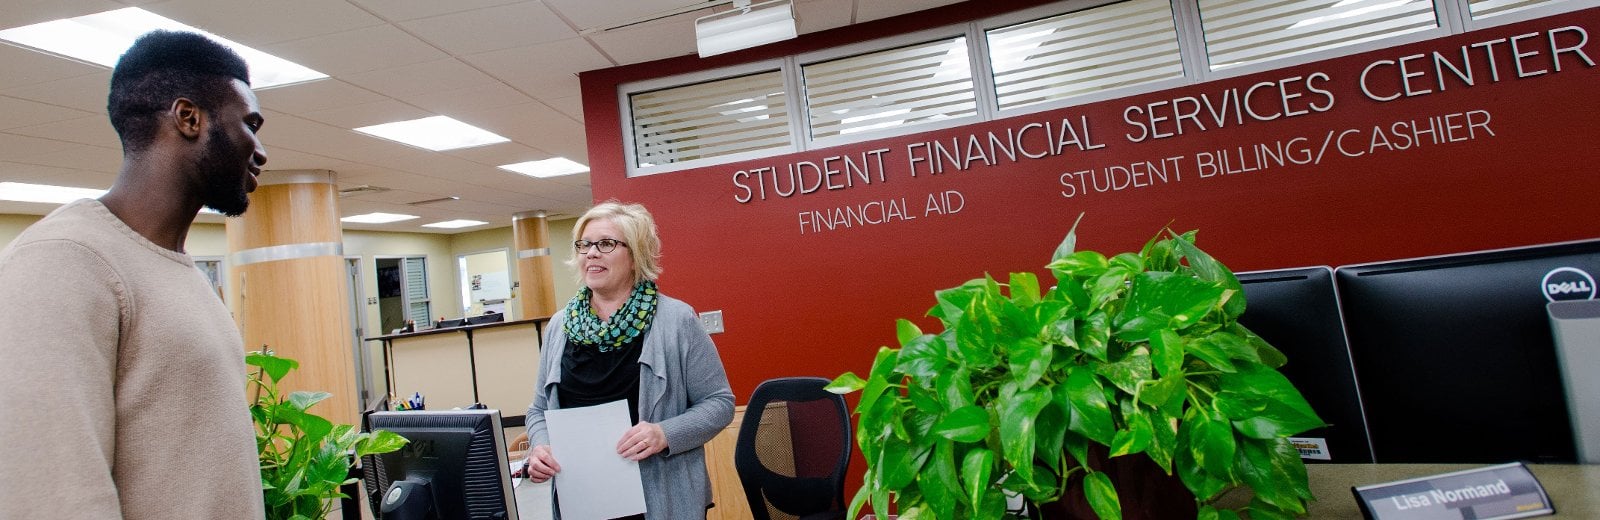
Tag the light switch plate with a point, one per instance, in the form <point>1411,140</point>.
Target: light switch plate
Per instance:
<point>711,321</point>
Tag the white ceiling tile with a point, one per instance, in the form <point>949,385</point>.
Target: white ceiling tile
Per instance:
<point>23,148</point>
<point>493,28</point>
<point>366,114</point>
<point>572,106</point>
<point>86,93</point>
<point>307,136</point>
<point>92,130</point>
<point>503,153</point>
<point>260,23</point>
<point>587,14</point>
<point>17,112</point>
<point>24,67</point>
<point>84,158</point>
<point>668,38</point>
<point>286,159</point>
<point>401,10</point>
<point>360,50</point>
<point>18,13</point>
<point>869,10</point>
<point>470,99</point>
<point>821,15</point>
<point>433,76</point>
<point>315,95</point>
<point>538,69</point>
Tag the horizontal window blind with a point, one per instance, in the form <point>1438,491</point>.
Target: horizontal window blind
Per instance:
<point>1127,43</point>
<point>1245,31</point>
<point>711,119</point>
<point>891,88</point>
<point>1488,8</point>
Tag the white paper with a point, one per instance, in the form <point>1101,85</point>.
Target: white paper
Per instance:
<point>594,482</point>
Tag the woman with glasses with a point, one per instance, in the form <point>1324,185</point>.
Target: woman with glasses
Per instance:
<point>619,338</point>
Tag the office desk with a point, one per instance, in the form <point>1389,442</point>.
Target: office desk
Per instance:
<point>1573,488</point>
<point>494,363</point>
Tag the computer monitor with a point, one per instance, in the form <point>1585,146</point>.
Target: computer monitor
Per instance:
<point>486,318</point>
<point>1297,311</point>
<point>454,468</point>
<point>445,324</point>
<point>1454,354</point>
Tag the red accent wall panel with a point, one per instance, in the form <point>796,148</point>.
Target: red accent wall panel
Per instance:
<point>1305,165</point>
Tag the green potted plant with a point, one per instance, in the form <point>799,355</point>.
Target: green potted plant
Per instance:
<point>1138,354</point>
<point>304,458</point>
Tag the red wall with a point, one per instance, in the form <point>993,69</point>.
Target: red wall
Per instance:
<point>820,303</point>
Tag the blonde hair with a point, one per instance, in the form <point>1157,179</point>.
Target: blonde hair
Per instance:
<point>638,232</point>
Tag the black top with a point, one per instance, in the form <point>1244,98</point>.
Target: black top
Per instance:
<point>590,377</point>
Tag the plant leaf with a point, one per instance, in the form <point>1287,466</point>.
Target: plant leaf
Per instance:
<point>1102,496</point>
<point>1128,372</point>
<point>1050,430</point>
<point>1136,437</point>
<point>1166,351</point>
<point>878,380</point>
<point>1203,484</point>
<point>381,441</point>
<point>1282,410</point>
<point>905,331</point>
<point>1211,439</point>
<point>965,424</point>
<point>976,469</point>
<point>1069,243</point>
<point>1028,359</point>
<point>938,481</point>
<point>1091,414</point>
<point>1208,268</point>
<point>922,357</point>
<point>275,367</point>
<point>846,383</point>
<point>955,386</point>
<point>1163,441</point>
<point>304,400</point>
<point>1274,470</point>
<point>1018,413</point>
<point>1024,289</point>
<point>1094,333</point>
<point>1160,300</point>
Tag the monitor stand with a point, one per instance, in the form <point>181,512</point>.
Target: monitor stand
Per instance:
<point>1576,327</point>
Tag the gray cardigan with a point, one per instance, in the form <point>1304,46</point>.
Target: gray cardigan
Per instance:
<point>682,387</point>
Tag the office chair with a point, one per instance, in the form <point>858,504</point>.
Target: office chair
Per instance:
<point>792,451</point>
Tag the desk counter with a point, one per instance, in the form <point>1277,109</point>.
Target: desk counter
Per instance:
<point>1573,488</point>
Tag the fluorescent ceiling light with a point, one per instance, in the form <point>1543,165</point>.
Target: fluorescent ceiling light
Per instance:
<point>435,133</point>
<point>45,193</point>
<point>101,38</point>
<point>376,218</point>
<point>747,25</point>
<point>453,224</point>
<point>547,168</point>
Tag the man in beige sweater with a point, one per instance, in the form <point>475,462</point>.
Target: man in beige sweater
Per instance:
<point>122,376</point>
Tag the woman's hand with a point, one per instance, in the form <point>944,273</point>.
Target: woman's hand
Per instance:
<point>641,441</point>
<point>541,464</point>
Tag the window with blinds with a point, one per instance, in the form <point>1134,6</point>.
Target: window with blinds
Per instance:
<point>711,119</point>
<point>417,309</point>
<point>892,88</point>
<point>1486,8</point>
<point>1238,32</point>
<point>1117,45</point>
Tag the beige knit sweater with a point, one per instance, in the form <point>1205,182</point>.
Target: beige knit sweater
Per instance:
<point>122,380</point>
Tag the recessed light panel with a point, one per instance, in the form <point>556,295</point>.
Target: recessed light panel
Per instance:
<point>454,224</point>
<point>435,133</point>
<point>376,218</point>
<point>101,38</point>
<point>547,168</point>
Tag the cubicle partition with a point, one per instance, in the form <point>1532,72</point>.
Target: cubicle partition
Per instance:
<point>495,364</point>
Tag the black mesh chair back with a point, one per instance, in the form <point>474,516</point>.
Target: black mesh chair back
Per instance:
<point>793,448</point>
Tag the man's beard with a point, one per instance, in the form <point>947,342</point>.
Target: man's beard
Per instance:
<point>222,189</point>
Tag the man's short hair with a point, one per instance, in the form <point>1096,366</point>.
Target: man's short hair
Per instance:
<point>161,67</point>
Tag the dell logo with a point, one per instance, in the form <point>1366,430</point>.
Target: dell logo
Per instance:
<point>1567,283</point>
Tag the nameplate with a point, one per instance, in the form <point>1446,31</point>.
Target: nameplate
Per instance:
<point>1504,491</point>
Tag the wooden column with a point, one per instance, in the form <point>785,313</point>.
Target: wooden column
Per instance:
<point>535,269</point>
<point>288,287</point>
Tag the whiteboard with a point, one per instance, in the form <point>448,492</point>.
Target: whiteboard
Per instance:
<point>490,286</point>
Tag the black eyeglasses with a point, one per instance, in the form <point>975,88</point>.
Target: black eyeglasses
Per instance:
<point>606,245</point>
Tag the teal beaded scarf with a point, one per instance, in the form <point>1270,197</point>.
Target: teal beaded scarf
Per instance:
<point>583,326</point>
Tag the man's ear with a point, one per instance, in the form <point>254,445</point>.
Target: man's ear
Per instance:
<point>188,118</point>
